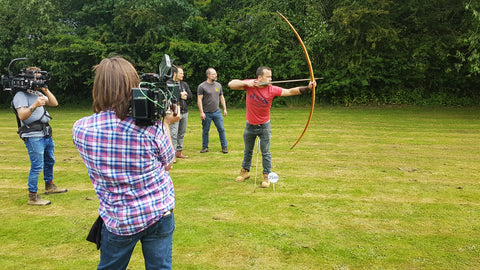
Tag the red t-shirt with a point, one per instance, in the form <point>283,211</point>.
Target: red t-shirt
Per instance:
<point>259,102</point>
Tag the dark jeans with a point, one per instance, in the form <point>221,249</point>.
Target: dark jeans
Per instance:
<point>116,250</point>
<point>217,119</point>
<point>263,132</point>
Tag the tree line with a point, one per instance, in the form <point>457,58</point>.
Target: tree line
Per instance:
<point>367,51</point>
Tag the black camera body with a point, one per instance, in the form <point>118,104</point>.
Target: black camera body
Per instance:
<point>150,105</point>
<point>26,80</point>
<point>153,99</point>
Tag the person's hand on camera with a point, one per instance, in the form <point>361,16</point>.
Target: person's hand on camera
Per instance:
<point>174,110</point>
<point>44,90</point>
<point>172,115</point>
<point>41,101</point>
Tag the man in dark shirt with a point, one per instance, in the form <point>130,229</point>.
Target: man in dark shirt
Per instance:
<point>178,129</point>
<point>209,94</point>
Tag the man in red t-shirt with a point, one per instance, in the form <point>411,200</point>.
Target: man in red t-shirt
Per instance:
<point>259,99</point>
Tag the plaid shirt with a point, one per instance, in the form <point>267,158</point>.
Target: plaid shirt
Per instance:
<point>126,164</point>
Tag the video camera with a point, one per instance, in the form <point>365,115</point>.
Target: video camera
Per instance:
<point>154,98</point>
<point>26,80</point>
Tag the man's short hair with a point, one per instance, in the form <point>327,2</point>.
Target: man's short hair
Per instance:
<point>176,68</point>
<point>261,69</point>
<point>208,70</point>
<point>33,69</point>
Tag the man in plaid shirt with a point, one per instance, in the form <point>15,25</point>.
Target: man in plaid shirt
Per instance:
<point>128,166</point>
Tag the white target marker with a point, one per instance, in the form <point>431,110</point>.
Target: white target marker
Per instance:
<point>273,177</point>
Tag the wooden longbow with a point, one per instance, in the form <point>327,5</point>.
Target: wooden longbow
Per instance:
<point>312,77</point>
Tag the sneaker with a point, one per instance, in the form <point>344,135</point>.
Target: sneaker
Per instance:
<point>34,199</point>
<point>204,150</point>
<point>244,175</point>
<point>51,188</point>
<point>224,150</point>
<point>265,182</point>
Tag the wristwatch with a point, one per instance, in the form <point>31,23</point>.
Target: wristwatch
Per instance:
<point>31,109</point>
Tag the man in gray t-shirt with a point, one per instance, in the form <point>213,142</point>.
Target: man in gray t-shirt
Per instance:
<point>209,95</point>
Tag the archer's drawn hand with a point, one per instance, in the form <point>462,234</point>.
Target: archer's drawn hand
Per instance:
<point>252,83</point>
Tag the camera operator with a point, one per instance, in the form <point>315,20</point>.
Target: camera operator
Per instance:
<point>36,133</point>
<point>128,165</point>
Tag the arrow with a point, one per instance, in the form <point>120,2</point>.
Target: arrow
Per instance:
<point>288,81</point>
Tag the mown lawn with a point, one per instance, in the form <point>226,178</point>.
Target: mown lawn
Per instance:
<point>366,188</point>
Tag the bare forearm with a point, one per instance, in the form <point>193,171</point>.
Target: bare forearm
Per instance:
<point>295,91</point>
<point>224,104</point>
<point>236,84</point>
<point>24,113</point>
<point>200,105</point>
<point>52,100</point>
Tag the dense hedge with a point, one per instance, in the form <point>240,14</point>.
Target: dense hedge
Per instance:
<point>368,51</point>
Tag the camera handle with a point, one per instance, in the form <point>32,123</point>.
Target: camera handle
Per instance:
<point>13,61</point>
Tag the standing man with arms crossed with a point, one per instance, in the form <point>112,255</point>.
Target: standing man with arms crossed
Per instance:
<point>36,133</point>
<point>259,101</point>
<point>209,94</point>
<point>128,166</point>
<point>178,129</point>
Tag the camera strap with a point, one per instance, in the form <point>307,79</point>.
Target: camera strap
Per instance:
<point>34,126</point>
<point>19,122</point>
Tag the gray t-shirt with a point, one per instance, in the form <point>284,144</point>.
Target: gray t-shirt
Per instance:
<point>211,96</point>
<point>23,99</point>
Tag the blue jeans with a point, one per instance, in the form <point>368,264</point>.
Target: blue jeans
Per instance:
<point>40,151</point>
<point>218,121</point>
<point>116,250</point>
<point>263,132</point>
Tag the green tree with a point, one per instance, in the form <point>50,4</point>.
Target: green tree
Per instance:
<point>469,54</point>
<point>25,23</point>
<point>368,51</point>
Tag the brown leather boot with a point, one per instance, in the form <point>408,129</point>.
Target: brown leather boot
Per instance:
<point>51,188</point>
<point>180,155</point>
<point>265,182</point>
<point>34,199</point>
<point>244,175</point>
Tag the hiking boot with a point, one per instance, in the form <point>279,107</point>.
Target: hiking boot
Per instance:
<point>51,188</point>
<point>180,155</point>
<point>265,182</point>
<point>34,199</point>
<point>244,175</point>
<point>224,150</point>
<point>204,150</point>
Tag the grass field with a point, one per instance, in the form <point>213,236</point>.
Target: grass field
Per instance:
<point>366,188</point>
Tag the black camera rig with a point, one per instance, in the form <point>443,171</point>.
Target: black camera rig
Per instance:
<point>154,98</point>
<point>26,80</point>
